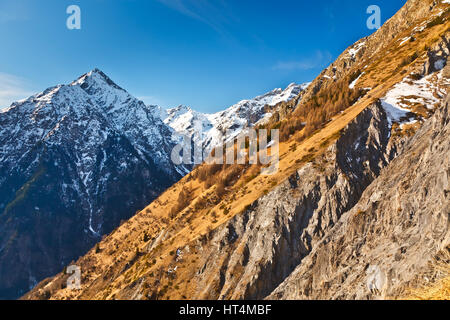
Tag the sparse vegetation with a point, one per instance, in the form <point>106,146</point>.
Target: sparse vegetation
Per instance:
<point>408,60</point>
<point>184,198</point>
<point>313,114</point>
<point>436,21</point>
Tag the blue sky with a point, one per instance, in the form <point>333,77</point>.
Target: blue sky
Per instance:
<point>205,54</point>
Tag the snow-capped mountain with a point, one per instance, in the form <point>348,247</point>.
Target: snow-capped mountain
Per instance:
<point>75,160</point>
<point>220,127</point>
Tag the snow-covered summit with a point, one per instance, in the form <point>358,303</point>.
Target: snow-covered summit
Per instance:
<point>91,101</point>
<point>101,132</point>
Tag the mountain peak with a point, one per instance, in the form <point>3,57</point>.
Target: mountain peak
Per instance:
<point>95,76</point>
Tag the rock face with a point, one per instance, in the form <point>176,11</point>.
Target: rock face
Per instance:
<point>438,56</point>
<point>75,160</point>
<point>384,244</point>
<point>255,251</point>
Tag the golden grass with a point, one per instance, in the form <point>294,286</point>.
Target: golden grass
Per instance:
<point>440,291</point>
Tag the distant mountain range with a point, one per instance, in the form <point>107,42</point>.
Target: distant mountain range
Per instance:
<point>218,128</point>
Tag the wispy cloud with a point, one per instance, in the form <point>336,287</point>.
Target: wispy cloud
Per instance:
<point>215,14</point>
<point>318,60</point>
<point>12,88</point>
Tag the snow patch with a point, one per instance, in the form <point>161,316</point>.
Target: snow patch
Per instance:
<point>404,40</point>
<point>399,99</point>
<point>353,84</point>
<point>354,50</point>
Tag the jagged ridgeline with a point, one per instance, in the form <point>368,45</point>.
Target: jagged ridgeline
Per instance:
<point>341,218</point>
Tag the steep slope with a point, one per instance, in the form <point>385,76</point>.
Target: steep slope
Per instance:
<point>254,250</point>
<point>75,160</point>
<point>385,244</point>
<point>240,234</point>
<point>212,130</point>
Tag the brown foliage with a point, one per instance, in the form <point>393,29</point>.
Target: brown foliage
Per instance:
<point>206,171</point>
<point>184,198</point>
<point>289,127</point>
<point>329,101</point>
<point>220,189</point>
<point>232,174</point>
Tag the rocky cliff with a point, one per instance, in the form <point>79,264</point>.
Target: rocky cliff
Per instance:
<point>386,244</point>
<point>255,251</point>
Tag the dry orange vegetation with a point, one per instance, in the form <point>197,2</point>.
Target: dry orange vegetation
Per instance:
<point>146,245</point>
<point>440,289</point>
